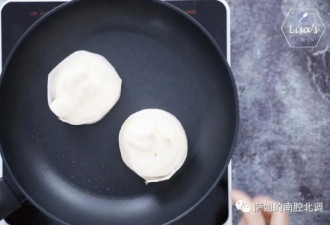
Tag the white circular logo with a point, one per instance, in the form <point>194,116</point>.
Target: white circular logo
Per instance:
<point>242,205</point>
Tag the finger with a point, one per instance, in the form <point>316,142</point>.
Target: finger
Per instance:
<point>275,218</point>
<point>237,195</point>
<point>252,218</point>
<point>264,200</point>
<point>280,219</point>
<point>242,222</point>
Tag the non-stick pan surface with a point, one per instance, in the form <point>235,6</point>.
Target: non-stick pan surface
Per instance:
<point>75,173</point>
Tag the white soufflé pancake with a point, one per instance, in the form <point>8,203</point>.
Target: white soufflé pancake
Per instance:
<point>83,88</point>
<point>153,144</point>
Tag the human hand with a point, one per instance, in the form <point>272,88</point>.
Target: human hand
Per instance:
<point>262,217</point>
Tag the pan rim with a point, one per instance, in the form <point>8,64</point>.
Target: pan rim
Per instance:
<point>219,52</point>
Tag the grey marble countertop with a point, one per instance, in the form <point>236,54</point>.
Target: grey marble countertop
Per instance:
<point>283,148</point>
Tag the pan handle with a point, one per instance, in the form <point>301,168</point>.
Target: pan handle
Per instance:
<point>8,201</point>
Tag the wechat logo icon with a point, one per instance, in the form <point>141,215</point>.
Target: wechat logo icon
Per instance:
<point>242,205</point>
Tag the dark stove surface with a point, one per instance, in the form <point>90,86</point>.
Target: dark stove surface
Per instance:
<point>17,17</point>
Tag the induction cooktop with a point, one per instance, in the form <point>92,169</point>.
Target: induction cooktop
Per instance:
<point>18,16</point>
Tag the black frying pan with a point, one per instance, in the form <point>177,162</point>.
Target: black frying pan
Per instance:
<point>75,174</point>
